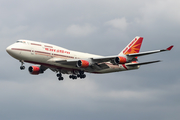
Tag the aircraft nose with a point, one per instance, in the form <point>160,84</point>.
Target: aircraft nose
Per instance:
<point>11,51</point>
<point>8,49</point>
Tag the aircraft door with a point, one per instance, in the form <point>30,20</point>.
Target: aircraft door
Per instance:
<point>52,54</point>
<point>32,51</point>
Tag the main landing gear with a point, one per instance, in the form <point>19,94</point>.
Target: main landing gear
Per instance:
<point>74,76</point>
<point>22,67</point>
<point>59,75</point>
<point>80,75</point>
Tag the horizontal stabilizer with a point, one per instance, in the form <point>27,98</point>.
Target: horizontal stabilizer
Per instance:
<point>143,63</point>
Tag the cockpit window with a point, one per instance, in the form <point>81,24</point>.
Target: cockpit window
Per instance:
<point>20,41</point>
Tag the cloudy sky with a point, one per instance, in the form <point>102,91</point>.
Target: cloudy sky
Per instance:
<point>101,27</point>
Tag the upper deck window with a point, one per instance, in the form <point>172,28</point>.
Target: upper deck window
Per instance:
<point>18,41</point>
<point>36,44</point>
<point>48,46</point>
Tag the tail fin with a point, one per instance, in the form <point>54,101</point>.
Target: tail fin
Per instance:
<point>133,47</point>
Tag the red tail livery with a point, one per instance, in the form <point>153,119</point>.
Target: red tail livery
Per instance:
<point>133,47</point>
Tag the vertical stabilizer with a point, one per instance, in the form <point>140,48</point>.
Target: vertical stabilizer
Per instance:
<point>133,47</point>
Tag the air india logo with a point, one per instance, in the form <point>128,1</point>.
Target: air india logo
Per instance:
<point>134,46</point>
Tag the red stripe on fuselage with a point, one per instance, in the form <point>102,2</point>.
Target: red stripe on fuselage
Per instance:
<point>44,53</point>
<point>21,49</point>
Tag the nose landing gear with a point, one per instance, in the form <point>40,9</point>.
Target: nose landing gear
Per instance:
<point>22,67</point>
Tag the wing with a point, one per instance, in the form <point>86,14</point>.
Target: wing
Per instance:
<point>98,63</point>
<point>149,52</point>
<point>95,63</point>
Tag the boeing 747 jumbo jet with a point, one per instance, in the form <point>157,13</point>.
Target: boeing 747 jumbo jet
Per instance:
<point>64,61</point>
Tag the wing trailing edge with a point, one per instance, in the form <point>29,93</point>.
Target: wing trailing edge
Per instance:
<point>143,63</point>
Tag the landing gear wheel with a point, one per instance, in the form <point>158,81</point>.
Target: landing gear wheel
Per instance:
<point>83,76</point>
<point>59,75</point>
<point>73,77</point>
<point>60,78</point>
<point>22,67</point>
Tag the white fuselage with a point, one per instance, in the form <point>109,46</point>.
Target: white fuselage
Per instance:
<point>46,54</point>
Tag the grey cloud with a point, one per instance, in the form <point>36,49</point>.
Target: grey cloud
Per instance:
<point>78,31</point>
<point>119,23</point>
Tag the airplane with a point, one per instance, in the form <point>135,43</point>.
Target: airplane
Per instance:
<point>65,61</point>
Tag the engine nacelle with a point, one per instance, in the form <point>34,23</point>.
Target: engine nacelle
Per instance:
<point>34,70</point>
<point>82,64</point>
<point>120,60</point>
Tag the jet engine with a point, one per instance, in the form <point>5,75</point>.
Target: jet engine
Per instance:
<point>120,60</point>
<point>82,64</point>
<point>34,70</point>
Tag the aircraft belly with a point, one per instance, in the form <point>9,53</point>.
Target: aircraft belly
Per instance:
<point>117,68</point>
